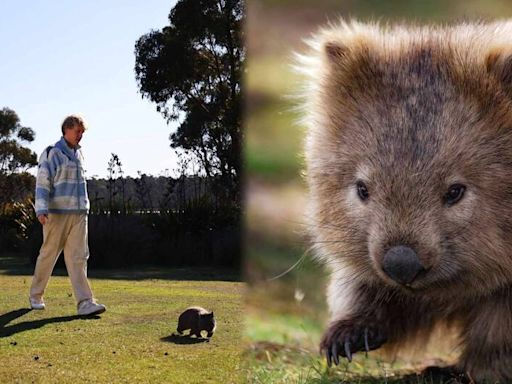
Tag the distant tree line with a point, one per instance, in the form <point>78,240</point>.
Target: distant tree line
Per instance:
<point>161,220</point>
<point>144,194</point>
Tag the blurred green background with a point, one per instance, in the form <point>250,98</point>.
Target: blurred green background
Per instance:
<point>285,316</point>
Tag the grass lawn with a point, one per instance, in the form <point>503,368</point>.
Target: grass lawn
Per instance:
<point>284,349</point>
<point>131,342</point>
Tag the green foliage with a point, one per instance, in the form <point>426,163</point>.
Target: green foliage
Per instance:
<point>116,185</point>
<point>143,191</point>
<point>15,187</point>
<point>16,184</point>
<point>192,70</point>
<point>15,159</point>
<point>24,217</point>
<point>13,156</point>
<point>200,232</point>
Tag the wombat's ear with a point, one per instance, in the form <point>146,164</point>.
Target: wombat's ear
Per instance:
<point>499,64</point>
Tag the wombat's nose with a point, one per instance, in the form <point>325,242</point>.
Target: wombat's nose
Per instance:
<point>402,264</point>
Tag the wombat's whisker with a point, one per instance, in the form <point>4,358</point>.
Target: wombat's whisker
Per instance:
<point>296,264</point>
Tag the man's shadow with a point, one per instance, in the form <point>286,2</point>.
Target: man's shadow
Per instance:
<point>9,330</point>
<point>183,339</point>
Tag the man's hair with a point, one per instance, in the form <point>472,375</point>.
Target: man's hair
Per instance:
<point>71,121</point>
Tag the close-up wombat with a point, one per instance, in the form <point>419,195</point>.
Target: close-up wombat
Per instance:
<point>196,319</point>
<point>409,166</point>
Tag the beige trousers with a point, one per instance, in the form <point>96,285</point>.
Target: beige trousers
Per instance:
<point>66,232</point>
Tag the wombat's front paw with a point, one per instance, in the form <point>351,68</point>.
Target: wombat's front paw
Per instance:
<point>343,338</point>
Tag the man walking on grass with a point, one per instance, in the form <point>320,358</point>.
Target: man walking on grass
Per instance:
<point>61,208</point>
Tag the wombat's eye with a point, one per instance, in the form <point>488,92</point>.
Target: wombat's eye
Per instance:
<point>454,194</point>
<point>362,191</point>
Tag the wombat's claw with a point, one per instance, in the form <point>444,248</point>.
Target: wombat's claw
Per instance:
<point>328,357</point>
<point>332,355</point>
<point>344,339</point>
<point>348,354</point>
<point>366,347</point>
<point>335,355</point>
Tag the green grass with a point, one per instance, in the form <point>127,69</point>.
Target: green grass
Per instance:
<point>284,349</point>
<point>131,342</point>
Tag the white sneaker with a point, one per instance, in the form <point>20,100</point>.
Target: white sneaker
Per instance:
<point>90,307</point>
<point>36,304</point>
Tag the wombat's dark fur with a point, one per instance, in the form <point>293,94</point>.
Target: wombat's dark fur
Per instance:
<point>196,319</point>
<point>409,164</point>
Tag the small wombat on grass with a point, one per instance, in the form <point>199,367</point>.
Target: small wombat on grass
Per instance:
<point>409,164</point>
<point>196,319</point>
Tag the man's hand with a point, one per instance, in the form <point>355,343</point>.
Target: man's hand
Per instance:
<point>42,219</point>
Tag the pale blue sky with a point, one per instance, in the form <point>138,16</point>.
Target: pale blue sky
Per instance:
<point>59,57</point>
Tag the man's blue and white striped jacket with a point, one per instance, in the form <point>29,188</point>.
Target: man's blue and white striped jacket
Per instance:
<point>60,184</point>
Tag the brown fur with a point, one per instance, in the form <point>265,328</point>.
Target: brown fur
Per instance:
<point>196,319</point>
<point>411,111</point>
